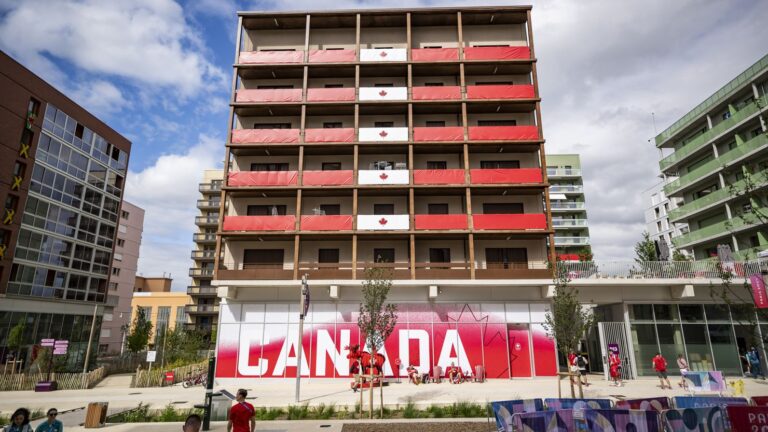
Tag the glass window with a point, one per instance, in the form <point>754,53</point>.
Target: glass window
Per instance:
<point>697,345</point>
<point>691,313</point>
<point>644,341</point>
<point>717,312</point>
<point>670,342</point>
<point>641,312</point>
<point>724,348</point>
<point>665,312</point>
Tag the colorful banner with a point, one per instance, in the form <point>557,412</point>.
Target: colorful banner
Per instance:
<point>383,134</point>
<point>262,178</point>
<point>527,221</point>
<point>448,133</point>
<point>441,222</point>
<point>330,94</point>
<point>646,404</point>
<point>438,177</point>
<point>758,291</point>
<point>436,93</point>
<point>331,56</point>
<point>705,381</point>
<point>503,133</point>
<point>544,421</point>
<point>505,175</point>
<point>383,222</point>
<point>384,55</point>
<point>381,177</point>
<point>500,92</point>
<point>259,223</point>
<point>497,53</point>
<point>748,418</point>
<point>383,93</point>
<point>505,410</point>
<point>327,178</point>
<point>323,135</point>
<point>326,223</point>
<point>434,54</point>
<point>254,57</point>
<point>710,401</point>
<point>255,136</point>
<point>708,419</point>
<point>554,404</point>
<point>268,95</point>
<point>760,400</point>
<point>611,420</point>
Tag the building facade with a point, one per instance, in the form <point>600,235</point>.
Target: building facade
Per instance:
<point>719,154</point>
<point>152,284</point>
<point>569,207</point>
<point>203,311</point>
<point>62,173</point>
<point>122,279</point>
<point>166,311</point>
<point>657,223</point>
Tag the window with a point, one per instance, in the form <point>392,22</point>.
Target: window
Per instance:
<point>34,106</point>
<point>506,257</point>
<point>437,209</point>
<point>120,242</point>
<point>271,125</point>
<point>115,271</point>
<point>330,209</point>
<point>383,85</point>
<point>502,208</point>
<point>382,165</point>
<point>500,164</point>
<point>124,214</point>
<point>383,124</point>
<point>726,115</point>
<point>122,228</point>
<point>258,258</point>
<point>181,316</point>
<point>433,84</point>
<point>497,122</point>
<point>328,256</point>
<point>331,166</point>
<point>384,255</point>
<point>439,255</point>
<point>432,46</point>
<point>435,123</point>
<point>266,210</point>
<point>105,333</point>
<point>279,166</point>
<point>383,209</point>
<point>332,125</point>
<point>113,286</point>
<point>437,165</point>
<point>118,257</point>
<point>334,85</point>
<point>19,169</point>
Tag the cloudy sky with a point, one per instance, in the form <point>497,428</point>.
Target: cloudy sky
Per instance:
<point>158,72</point>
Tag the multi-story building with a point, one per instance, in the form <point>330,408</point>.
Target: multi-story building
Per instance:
<point>569,208</point>
<point>203,310</point>
<point>657,223</point>
<point>122,279</point>
<point>165,309</point>
<point>719,154</point>
<point>152,284</point>
<point>62,173</point>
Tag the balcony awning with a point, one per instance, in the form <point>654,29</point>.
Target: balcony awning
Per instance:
<point>497,53</point>
<point>326,223</point>
<point>262,178</point>
<point>268,95</point>
<point>331,56</point>
<point>249,136</point>
<point>450,133</point>
<point>434,54</point>
<point>259,223</point>
<point>329,135</point>
<point>327,178</point>
<point>256,57</point>
<point>436,93</point>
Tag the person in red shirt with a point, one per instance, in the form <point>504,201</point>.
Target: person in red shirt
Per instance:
<point>242,416</point>
<point>614,363</point>
<point>455,375</point>
<point>660,366</point>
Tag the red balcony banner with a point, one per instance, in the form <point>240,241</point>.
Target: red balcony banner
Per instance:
<point>263,178</point>
<point>758,291</point>
<point>441,222</point>
<point>436,93</point>
<point>255,136</point>
<point>330,94</point>
<point>438,177</point>
<point>332,56</point>
<point>497,53</point>
<point>327,178</point>
<point>329,135</point>
<point>500,92</point>
<point>259,223</point>
<point>503,133</point>
<point>326,223</point>
<point>268,95</point>
<point>434,54</point>
<point>257,57</point>
<point>527,221</point>
<point>505,176</point>
<point>568,257</point>
<point>450,133</point>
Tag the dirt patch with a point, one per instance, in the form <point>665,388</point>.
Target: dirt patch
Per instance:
<point>421,427</point>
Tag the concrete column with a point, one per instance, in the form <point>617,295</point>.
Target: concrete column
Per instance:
<point>709,122</point>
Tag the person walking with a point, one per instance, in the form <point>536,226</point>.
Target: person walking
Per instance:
<point>581,363</point>
<point>50,424</point>
<point>19,421</point>
<point>242,416</point>
<point>755,367</point>
<point>660,366</point>
<point>614,366</point>
<point>193,423</point>
<point>683,366</point>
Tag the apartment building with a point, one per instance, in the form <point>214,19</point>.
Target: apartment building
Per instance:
<point>569,208</point>
<point>718,151</point>
<point>203,310</point>
<point>122,279</point>
<point>657,223</point>
<point>165,309</point>
<point>62,173</point>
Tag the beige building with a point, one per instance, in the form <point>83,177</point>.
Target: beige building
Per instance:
<point>164,309</point>
<point>152,284</point>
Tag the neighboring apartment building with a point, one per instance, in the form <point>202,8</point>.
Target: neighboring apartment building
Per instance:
<point>152,284</point>
<point>122,280</point>
<point>164,309</point>
<point>716,149</point>
<point>62,173</point>
<point>203,310</point>
<point>657,223</point>
<point>569,208</point>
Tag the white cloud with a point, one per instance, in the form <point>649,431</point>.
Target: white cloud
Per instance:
<point>167,191</point>
<point>219,8</point>
<point>100,97</point>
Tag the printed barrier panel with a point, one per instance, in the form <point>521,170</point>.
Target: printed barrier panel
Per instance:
<point>544,421</point>
<point>505,410</point>
<point>554,404</point>
<point>383,223</point>
<point>705,381</point>
<point>260,340</point>
<point>434,54</point>
<point>379,177</point>
<point>760,400</point>
<point>384,55</point>
<point>748,418</point>
<point>383,93</point>
<point>647,404</point>
<point>384,134</point>
<point>709,419</point>
<point>682,402</point>
<point>610,420</point>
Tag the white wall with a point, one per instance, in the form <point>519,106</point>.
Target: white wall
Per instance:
<point>309,203</point>
<point>233,251</point>
<point>365,249</point>
<point>454,160</point>
<point>274,39</point>
<point>420,120</point>
<point>240,206</point>
<point>510,34</point>
<point>316,121</point>
<point>315,162</point>
<point>322,38</point>
<point>379,37</point>
<point>243,163</point>
<point>444,36</point>
<point>365,203</point>
<point>531,203</point>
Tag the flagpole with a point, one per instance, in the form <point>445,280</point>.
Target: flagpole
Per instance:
<point>303,305</point>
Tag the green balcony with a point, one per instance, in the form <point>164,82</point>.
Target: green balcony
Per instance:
<point>702,140</point>
<point>712,166</point>
<point>716,230</point>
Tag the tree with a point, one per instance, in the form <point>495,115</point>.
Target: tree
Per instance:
<point>645,249</point>
<point>183,346</point>
<point>678,256</point>
<point>585,254</point>
<point>137,338</point>
<point>567,321</point>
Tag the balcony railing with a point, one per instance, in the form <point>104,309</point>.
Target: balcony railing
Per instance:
<point>326,270</point>
<point>758,180</point>
<point>497,53</point>
<point>563,172</point>
<point>568,205</point>
<point>505,176</point>
<point>203,254</point>
<point>202,291</point>
<point>438,134</point>
<point>208,204</point>
<point>200,272</point>
<point>383,93</point>
<point>720,229</point>
<point>569,223</point>
<point>210,187</point>
<point>259,223</point>
<point>383,177</point>
<point>384,55</point>
<point>262,57</point>
<point>268,95</point>
<point>440,222</point>
<point>337,135</point>
<point>436,93</point>
<point>327,178</point>
<point>241,271</point>
<point>202,309</point>
<point>524,91</point>
<point>382,134</point>
<point>514,222</point>
<point>571,241</point>
<point>566,189</point>
<point>332,56</point>
<point>714,165</point>
<point>398,270</point>
<point>260,136</point>
<point>439,177</point>
<point>326,223</point>
<point>345,94</point>
<point>383,222</point>
<point>513,271</point>
<point>503,133</point>
<point>263,178</point>
<point>435,270</point>
<point>701,140</point>
<point>707,269</point>
<point>434,54</point>
<point>206,220</point>
<point>204,238</point>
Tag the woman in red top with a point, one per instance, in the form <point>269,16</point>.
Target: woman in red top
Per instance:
<point>660,366</point>
<point>614,364</point>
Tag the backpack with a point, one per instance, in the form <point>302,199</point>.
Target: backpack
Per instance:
<point>581,362</point>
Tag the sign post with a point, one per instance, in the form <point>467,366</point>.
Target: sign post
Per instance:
<point>304,307</point>
<point>151,356</point>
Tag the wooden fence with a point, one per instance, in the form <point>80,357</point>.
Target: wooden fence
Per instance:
<point>156,378</point>
<point>64,381</point>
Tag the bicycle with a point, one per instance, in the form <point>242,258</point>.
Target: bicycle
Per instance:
<point>201,379</point>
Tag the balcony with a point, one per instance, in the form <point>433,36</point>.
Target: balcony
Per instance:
<point>568,205</point>
<point>197,291</point>
<point>338,135</point>
<point>204,238</point>
<point>207,221</point>
<point>434,54</point>
<point>326,223</point>
<point>202,309</point>
<point>263,178</point>
<point>203,255</point>
<point>210,187</point>
<point>317,271</point>
<point>569,223</point>
<point>438,134</point>
<point>267,95</point>
<point>435,270</point>
<point>513,271</point>
<point>327,178</point>
<point>200,272</point>
<point>384,55</point>
<point>505,176</point>
<point>440,222</point>
<point>503,133</point>
<point>525,91</point>
<point>266,57</point>
<point>439,177</point>
<point>383,94</point>
<point>399,270</point>
<point>259,136</point>
<point>240,271</point>
<point>717,230</point>
<point>387,177</point>
<point>259,223</point>
<point>568,189</point>
<point>331,94</point>
<point>512,222</point>
<point>755,144</point>
<point>385,134</point>
<point>332,56</point>
<point>208,204</point>
<point>571,241</point>
<point>717,197</point>
<point>436,93</point>
<point>383,222</point>
<point>497,53</point>
<point>563,172</point>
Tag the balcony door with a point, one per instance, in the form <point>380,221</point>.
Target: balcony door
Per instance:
<point>383,255</point>
<point>439,255</point>
<point>263,258</point>
<point>497,122</point>
<point>502,208</point>
<point>328,256</point>
<point>506,258</point>
<point>279,166</point>
<point>500,164</point>
<point>271,125</point>
<point>266,210</point>
<point>331,166</point>
<point>384,209</point>
<point>437,209</point>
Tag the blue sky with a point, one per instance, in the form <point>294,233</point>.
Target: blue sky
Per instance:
<point>159,71</point>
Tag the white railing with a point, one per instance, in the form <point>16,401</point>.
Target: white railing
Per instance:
<point>567,205</point>
<point>569,223</point>
<point>566,189</point>
<point>568,241</point>
<point>563,172</point>
<point>660,269</point>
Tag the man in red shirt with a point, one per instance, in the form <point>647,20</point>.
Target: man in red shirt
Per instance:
<point>660,365</point>
<point>241,414</point>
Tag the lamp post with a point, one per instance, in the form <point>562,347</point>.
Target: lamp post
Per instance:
<point>304,306</point>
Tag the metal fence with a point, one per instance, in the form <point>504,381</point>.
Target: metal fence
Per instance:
<point>661,269</point>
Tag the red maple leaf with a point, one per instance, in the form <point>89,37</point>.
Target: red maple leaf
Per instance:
<point>383,53</point>
<point>383,134</point>
<point>383,176</point>
<point>383,221</point>
<point>383,93</point>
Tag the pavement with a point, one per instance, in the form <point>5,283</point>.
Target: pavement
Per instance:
<point>274,392</point>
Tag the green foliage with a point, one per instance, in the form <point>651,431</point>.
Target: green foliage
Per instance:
<point>16,336</point>
<point>182,347</point>
<point>410,411</point>
<point>263,414</point>
<point>645,249</point>
<point>142,414</point>
<point>300,412</point>
<point>377,319</point>
<point>567,320</point>
<point>324,412</point>
<point>138,337</point>
<point>585,254</point>
<point>678,256</point>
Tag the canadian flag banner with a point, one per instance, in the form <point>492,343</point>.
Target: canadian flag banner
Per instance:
<point>383,93</point>
<point>384,55</point>
<point>383,134</point>
<point>383,222</point>
<point>376,177</point>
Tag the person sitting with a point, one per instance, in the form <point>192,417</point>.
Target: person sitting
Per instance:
<point>413,375</point>
<point>354,370</point>
<point>455,375</point>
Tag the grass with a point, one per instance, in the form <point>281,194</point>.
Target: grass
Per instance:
<point>142,414</point>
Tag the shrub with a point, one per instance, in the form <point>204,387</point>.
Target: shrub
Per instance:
<point>300,412</point>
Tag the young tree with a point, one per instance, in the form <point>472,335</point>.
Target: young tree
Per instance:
<point>645,249</point>
<point>137,337</point>
<point>567,321</point>
<point>183,346</point>
<point>16,339</point>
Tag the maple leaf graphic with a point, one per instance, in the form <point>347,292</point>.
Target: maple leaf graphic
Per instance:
<point>383,134</point>
<point>383,221</point>
<point>383,54</point>
<point>383,93</point>
<point>383,176</point>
